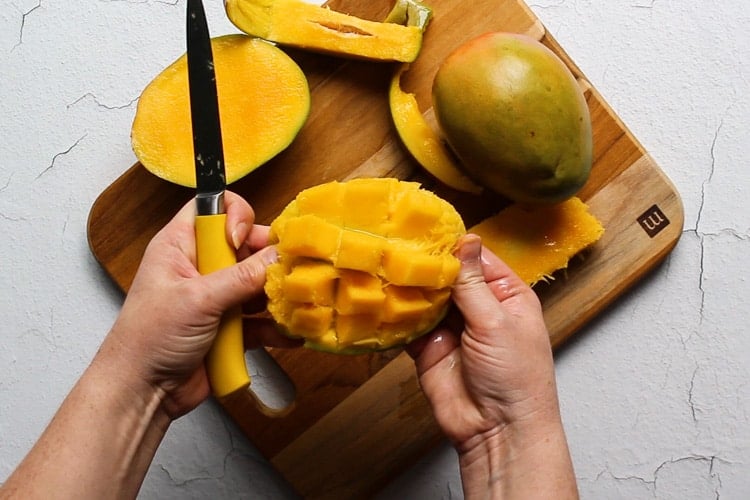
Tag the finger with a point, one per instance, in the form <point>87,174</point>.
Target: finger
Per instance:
<point>179,232</point>
<point>240,218</point>
<point>255,240</point>
<point>471,294</point>
<point>241,282</point>
<point>494,268</point>
<point>258,237</point>
<point>452,322</point>
<point>186,215</point>
<point>502,280</point>
<point>430,349</point>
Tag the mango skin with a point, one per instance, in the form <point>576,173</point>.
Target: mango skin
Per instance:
<point>516,118</point>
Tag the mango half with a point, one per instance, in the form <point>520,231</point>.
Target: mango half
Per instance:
<point>363,265</point>
<point>307,26</point>
<point>516,118</point>
<point>264,100</point>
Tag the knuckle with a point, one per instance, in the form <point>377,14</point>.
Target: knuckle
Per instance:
<point>468,277</point>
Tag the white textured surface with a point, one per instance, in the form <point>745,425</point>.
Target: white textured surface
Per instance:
<point>654,393</point>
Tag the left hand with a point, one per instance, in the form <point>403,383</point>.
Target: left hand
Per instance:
<point>171,313</point>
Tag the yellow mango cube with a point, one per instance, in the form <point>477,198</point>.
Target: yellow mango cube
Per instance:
<point>359,292</point>
<point>279,224</point>
<point>360,251</point>
<point>310,236</point>
<point>324,200</point>
<point>313,321</point>
<point>312,282</point>
<point>410,268</point>
<point>404,304</point>
<point>415,215</point>
<point>355,328</point>
<point>366,203</point>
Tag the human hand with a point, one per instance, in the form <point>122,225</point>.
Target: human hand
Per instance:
<point>488,373</point>
<point>171,313</point>
<point>150,367</point>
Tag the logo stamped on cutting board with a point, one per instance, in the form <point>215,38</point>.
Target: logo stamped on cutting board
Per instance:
<point>653,221</point>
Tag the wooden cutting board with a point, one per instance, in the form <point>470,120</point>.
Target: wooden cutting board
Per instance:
<point>359,421</point>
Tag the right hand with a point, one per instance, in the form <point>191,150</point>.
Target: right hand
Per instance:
<point>495,367</point>
<point>171,313</point>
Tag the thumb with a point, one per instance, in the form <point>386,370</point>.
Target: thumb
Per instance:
<point>236,284</point>
<point>472,295</point>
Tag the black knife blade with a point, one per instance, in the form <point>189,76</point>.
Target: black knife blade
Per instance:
<point>208,149</point>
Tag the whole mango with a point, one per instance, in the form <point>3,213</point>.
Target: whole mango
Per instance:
<point>516,118</point>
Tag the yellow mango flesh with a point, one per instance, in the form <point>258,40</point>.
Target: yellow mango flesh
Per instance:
<point>312,27</point>
<point>363,265</point>
<point>264,100</point>
<point>309,281</point>
<point>422,142</point>
<point>537,241</point>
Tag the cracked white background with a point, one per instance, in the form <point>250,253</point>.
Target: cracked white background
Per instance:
<point>654,392</point>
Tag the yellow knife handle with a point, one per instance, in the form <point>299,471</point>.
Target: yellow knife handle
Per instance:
<point>225,363</point>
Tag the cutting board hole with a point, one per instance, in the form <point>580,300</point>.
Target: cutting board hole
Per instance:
<point>269,382</point>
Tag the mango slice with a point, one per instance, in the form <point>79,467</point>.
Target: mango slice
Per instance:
<point>264,100</point>
<point>537,241</point>
<point>363,265</point>
<point>424,143</point>
<point>312,27</point>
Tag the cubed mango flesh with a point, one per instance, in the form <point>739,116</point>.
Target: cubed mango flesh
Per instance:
<point>325,201</point>
<point>360,251</point>
<point>312,321</point>
<point>359,292</point>
<point>357,328</point>
<point>367,204</point>
<point>404,303</point>
<point>414,214</point>
<point>407,267</point>
<point>310,236</point>
<point>367,262</point>
<point>312,282</point>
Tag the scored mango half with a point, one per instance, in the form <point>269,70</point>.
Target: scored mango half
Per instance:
<point>363,265</point>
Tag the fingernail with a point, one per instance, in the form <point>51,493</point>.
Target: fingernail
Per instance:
<point>269,255</point>
<point>471,248</point>
<point>239,234</point>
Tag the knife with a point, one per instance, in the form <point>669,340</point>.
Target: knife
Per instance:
<point>225,362</point>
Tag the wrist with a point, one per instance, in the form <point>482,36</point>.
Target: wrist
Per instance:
<point>136,416</point>
<point>527,459</point>
<point>100,442</point>
<point>127,380</point>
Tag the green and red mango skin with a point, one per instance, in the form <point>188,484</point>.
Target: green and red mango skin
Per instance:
<point>516,118</point>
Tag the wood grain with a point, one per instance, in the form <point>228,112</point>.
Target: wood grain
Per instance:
<point>359,420</point>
